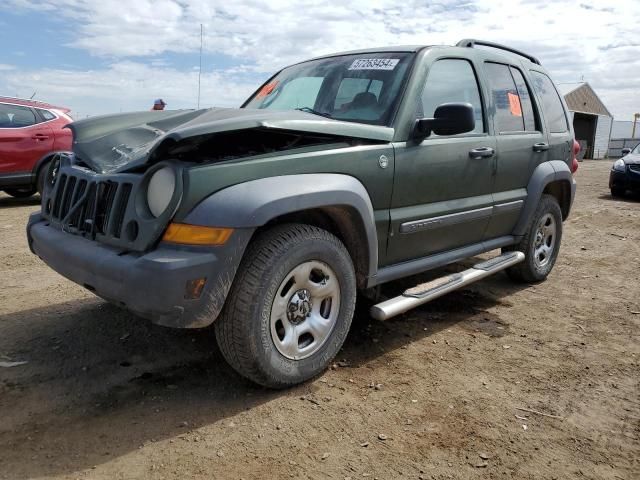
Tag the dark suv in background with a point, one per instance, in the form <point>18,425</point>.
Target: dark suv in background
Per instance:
<point>337,175</point>
<point>625,173</point>
<point>30,134</point>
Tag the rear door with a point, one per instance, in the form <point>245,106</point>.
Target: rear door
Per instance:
<point>521,143</point>
<point>23,141</point>
<point>442,187</point>
<point>555,116</point>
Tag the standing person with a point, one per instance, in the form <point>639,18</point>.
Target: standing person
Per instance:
<point>158,104</point>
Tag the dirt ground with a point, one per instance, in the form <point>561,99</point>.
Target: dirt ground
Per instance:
<point>445,391</point>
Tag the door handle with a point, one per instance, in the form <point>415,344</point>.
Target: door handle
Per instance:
<point>40,136</point>
<point>540,147</point>
<point>482,152</point>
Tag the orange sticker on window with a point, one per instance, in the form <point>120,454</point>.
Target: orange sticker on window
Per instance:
<point>267,89</point>
<point>514,104</point>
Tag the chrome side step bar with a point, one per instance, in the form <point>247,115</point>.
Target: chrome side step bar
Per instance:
<point>426,292</point>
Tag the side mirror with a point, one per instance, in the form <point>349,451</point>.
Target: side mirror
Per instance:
<point>626,151</point>
<point>448,119</point>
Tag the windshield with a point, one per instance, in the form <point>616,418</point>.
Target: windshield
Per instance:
<point>357,88</point>
<point>637,149</point>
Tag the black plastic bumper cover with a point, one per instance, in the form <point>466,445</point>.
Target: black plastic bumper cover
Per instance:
<point>150,284</point>
<point>624,180</point>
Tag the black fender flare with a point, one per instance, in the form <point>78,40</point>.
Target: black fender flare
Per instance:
<point>254,203</point>
<point>543,175</point>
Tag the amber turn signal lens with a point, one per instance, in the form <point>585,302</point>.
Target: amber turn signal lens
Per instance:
<point>196,234</point>
<point>194,288</point>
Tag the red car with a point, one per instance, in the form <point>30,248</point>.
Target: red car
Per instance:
<point>30,134</point>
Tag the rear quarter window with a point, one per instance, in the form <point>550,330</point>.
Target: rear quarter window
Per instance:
<point>551,104</point>
<point>46,114</point>
<point>528,114</point>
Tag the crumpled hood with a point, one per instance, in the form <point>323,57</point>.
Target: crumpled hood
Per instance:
<point>120,142</point>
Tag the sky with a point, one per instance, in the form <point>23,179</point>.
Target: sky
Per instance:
<point>107,56</point>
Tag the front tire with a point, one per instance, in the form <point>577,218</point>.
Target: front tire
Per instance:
<point>290,307</point>
<point>617,192</point>
<point>541,243</point>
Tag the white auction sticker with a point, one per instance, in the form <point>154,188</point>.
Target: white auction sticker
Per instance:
<point>374,64</point>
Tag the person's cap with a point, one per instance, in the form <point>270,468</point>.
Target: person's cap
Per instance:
<point>159,101</point>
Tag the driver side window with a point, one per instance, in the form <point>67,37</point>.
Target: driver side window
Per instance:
<point>451,81</point>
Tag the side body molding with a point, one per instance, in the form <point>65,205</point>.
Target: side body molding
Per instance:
<point>254,203</point>
<point>543,175</point>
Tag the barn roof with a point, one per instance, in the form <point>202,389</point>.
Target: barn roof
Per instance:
<point>580,97</point>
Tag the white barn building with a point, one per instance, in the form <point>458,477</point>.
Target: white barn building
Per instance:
<point>591,120</point>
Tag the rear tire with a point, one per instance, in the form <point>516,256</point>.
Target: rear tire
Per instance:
<point>540,244</point>
<point>290,307</point>
<point>20,192</point>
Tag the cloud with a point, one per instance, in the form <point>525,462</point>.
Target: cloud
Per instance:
<point>262,36</point>
<point>4,67</point>
<point>127,86</point>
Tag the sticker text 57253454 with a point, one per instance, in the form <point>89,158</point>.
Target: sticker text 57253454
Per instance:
<point>374,64</point>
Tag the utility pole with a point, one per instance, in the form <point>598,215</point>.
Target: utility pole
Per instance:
<point>636,117</point>
<point>200,69</point>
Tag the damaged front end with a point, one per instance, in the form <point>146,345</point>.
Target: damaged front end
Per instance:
<point>102,191</point>
<point>107,205</point>
<point>114,208</point>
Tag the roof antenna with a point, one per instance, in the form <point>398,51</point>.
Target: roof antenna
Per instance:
<point>200,69</point>
<point>34,94</point>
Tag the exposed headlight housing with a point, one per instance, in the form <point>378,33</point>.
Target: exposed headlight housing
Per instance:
<point>619,165</point>
<point>162,186</point>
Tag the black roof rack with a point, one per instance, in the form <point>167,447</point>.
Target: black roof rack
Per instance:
<point>470,43</point>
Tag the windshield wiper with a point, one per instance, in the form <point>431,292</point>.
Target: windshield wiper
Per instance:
<point>315,112</point>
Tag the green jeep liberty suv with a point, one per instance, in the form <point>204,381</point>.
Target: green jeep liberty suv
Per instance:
<point>337,175</point>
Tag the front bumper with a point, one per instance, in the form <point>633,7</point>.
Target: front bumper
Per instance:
<point>151,284</point>
<point>626,180</point>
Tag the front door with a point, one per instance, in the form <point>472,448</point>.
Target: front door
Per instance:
<point>442,187</point>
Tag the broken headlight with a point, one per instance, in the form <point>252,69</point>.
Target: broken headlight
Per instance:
<point>162,186</point>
